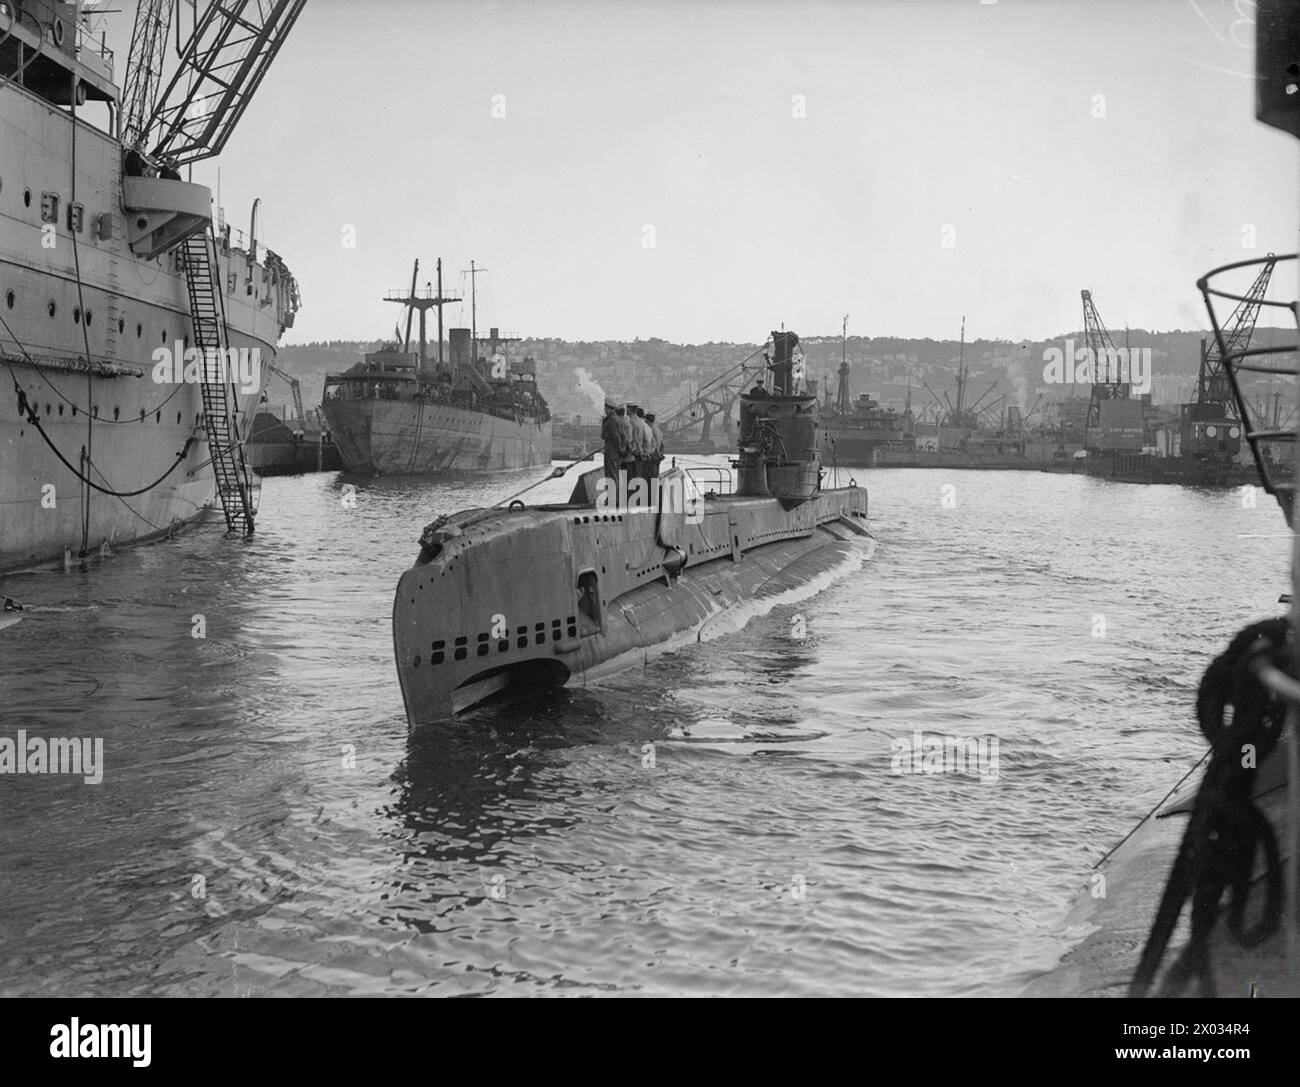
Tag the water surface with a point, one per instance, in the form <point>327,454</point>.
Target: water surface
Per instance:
<point>267,824</point>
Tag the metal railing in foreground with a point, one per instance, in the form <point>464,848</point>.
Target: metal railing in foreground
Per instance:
<point>1235,359</point>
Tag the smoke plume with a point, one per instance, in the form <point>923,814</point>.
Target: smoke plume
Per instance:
<point>589,387</point>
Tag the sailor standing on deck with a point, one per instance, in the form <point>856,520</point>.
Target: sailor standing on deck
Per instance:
<point>656,446</point>
<point>625,458</point>
<point>642,440</point>
<point>612,435</point>
<point>634,442</point>
<point>645,440</point>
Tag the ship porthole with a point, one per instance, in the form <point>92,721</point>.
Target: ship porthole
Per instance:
<point>139,331</point>
<point>27,198</point>
<point>121,324</point>
<point>76,315</point>
<point>89,315</point>
<point>53,308</point>
<point>9,299</point>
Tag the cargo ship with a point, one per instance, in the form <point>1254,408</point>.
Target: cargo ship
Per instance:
<point>401,412</point>
<point>107,259</point>
<point>854,432</point>
<point>548,595</point>
<point>853,429</point>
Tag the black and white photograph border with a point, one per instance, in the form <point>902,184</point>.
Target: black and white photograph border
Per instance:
<point>743,499</point>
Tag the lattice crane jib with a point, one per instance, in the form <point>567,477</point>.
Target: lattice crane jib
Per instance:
<point>220,66</point>
<point>144,67</point>
<point>1108,378</point>
<point>1213,388</point>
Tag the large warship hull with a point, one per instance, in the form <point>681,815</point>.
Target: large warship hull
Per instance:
<point>109,404</point>
<point>571,593</point>
<point>411,437</point>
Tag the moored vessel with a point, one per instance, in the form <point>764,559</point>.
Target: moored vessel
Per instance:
<point>401,412</point>
<point>131,326</point>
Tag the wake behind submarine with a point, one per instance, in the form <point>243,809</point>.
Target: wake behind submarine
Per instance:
<point>548,595</point>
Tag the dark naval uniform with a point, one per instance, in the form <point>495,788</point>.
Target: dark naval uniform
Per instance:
<point>612,435</point>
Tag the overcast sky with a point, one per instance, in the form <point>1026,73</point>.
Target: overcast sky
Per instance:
<point>977,124</point>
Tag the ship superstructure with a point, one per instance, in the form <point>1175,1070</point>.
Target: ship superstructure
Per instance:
<point>470,408</point>
<point>131,324</point>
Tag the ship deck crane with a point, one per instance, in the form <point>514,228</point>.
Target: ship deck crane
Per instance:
<point>219,68</point>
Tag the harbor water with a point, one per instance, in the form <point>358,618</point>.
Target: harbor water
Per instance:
<point>733,819</point>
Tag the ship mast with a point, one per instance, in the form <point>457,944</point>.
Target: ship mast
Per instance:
<point>842,399</point>
<point>473,307</point>
<point>410,312</point>
<point>440,362</point>
<point>413,300</point>
<point>961,371</point>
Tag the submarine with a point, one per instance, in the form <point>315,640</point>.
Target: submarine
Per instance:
<point>541,596</point>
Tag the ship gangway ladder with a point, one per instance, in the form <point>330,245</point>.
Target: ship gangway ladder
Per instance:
<point>220,403</point>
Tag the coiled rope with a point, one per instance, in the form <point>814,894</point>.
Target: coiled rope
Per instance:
<point>1242,719</point>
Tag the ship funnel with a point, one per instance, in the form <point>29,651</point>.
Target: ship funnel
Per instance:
<point>458,345</point>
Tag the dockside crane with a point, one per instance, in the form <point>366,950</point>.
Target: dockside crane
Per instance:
<point>1107,380</point>
<point>714,399</point>
<point>295,387</point>
<point>1211,425</point>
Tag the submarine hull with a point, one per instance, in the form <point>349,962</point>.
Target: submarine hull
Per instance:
<point>570,594</point>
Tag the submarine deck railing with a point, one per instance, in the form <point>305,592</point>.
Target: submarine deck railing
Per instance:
<point>708,475</point>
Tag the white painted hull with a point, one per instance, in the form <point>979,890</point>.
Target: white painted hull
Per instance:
<point>135,306</point>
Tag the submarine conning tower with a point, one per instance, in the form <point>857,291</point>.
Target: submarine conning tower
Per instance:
<point>780,429</point>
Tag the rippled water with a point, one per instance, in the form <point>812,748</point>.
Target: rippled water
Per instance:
<point>233,849</point>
